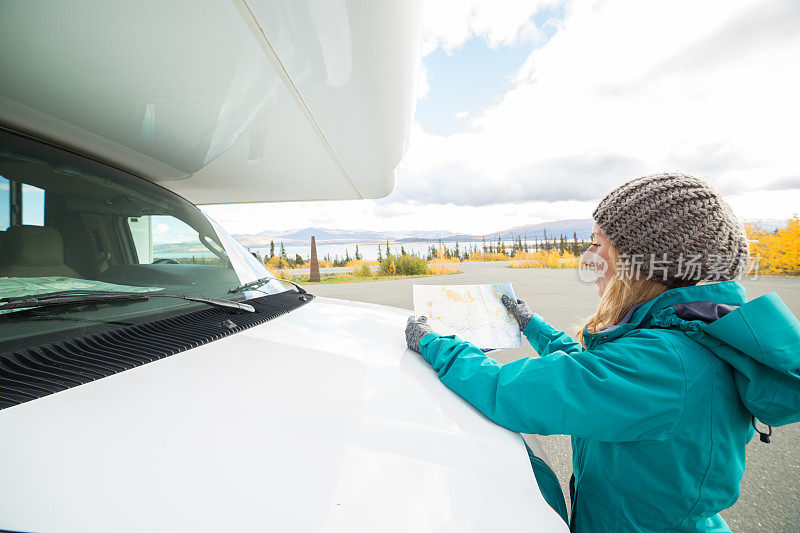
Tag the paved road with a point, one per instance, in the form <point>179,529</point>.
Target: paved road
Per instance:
<point>770,499</point>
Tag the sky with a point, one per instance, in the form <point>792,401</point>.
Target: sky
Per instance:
<point>532,110</point>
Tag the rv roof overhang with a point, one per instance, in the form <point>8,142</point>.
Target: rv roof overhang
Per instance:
<point>220,102</point>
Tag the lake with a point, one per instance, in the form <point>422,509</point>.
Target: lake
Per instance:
<point>367,251</point>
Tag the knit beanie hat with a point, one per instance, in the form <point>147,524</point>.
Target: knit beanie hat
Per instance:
<point>674,229</point>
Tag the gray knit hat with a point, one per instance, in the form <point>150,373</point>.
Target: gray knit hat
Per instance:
<point>674,229</point>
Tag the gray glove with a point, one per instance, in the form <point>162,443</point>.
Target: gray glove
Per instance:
<point>521,311</point>
<point>416,328</point>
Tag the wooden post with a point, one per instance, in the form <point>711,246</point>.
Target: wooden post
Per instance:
<point>313,274</point>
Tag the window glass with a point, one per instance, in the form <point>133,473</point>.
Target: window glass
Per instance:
<point>104,230</point>
<point>141,229</point>
<point>5,203</point>
<point>32,205</point>
<point>166,239</point>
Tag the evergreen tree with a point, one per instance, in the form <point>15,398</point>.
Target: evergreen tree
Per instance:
<point>346,256</point>
<point>358,255</point>
<point>388,252</point>
<point>456,253</point>
<point>297,259</point>
<point>499,245</point>
<point>380,254</point>
<point>271,249</point>
<point>402,250</point>
<point>283,251</point>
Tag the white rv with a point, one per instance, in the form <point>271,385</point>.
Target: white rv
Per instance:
<point>145,390</point>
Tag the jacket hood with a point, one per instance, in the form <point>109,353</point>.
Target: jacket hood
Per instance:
<point>760,339</point>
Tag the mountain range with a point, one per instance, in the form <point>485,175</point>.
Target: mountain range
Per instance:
<point>580,227</point>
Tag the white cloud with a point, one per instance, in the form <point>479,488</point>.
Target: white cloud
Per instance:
<point>623,89</point>
<point>391,215</point>
<point>461,114</point>
<point>449,23</point>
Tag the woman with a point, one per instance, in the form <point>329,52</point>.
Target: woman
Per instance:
<point>662,389</point>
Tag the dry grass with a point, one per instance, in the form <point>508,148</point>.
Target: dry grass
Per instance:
<point>441,265</point>
<point>360,262</point>
<point>285,273</point>
<point>348,277</point>
<point>480,256</point>
<point>546,259</point>
<point>443,268</point>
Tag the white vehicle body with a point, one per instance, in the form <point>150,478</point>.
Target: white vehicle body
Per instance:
<point>319,419</point>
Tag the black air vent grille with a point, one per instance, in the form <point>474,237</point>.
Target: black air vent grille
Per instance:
<point>29,374</point>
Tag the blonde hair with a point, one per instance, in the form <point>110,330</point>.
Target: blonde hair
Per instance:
<point>620,295</point>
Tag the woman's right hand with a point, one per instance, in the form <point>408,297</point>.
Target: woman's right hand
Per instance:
<point>520,310</point>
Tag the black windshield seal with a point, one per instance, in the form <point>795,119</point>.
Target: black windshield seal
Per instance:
<point>78,297</point>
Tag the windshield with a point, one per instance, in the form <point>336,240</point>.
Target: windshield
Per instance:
<point>67,222</point>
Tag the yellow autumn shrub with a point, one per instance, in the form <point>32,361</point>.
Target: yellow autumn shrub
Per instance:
<point>776,252</point>
<point>363,271</point>
<point>276,263</point>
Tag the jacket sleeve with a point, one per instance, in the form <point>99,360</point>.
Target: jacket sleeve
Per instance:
<point>546,339</point>
<point>626,390</point>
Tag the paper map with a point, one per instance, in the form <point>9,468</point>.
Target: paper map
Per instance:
<point>472,312</point>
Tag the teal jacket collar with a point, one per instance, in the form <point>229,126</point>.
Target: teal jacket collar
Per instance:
<point>729,293</point>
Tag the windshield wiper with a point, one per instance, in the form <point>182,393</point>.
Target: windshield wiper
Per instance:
<point>264,281</point>
<point>79,296</point>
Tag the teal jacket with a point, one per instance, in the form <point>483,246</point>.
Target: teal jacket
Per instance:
<point>659,407</point>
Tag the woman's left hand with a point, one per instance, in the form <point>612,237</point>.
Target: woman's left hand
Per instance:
<point>416,328</point>
<point>520,310</point>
